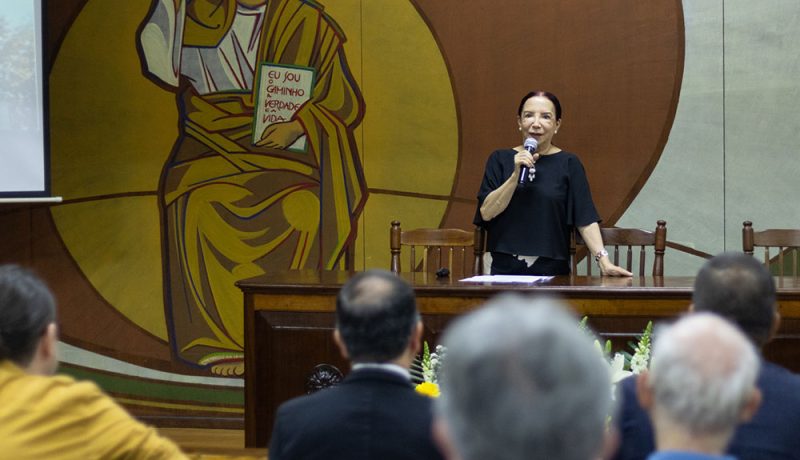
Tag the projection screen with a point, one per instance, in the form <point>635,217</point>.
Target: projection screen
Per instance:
<point>24,157</point>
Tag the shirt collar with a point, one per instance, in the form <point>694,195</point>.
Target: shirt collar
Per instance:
<point>399,370</point>
<point>681,455</point>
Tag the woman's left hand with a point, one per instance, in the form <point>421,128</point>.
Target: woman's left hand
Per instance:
<point>609,269</point>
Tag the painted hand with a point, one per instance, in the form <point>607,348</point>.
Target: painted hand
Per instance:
<point>281,135</point>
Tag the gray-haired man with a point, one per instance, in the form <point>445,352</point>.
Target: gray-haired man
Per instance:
<point>522,381</point>
<point>701,384</point>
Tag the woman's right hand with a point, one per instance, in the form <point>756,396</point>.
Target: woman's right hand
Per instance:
<point>524,158</point>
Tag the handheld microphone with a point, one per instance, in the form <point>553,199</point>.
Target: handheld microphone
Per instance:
<point>527,174</point>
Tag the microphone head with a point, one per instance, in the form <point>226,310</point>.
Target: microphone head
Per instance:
<point>531,144</point>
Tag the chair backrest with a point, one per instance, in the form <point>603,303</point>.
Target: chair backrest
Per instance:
<point>431,249</point>
<point>786,241</point>
<point>626,238</point>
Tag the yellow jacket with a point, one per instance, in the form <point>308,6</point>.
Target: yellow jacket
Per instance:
<point>55,417</point>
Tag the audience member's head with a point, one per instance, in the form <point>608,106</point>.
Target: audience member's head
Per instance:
<point>522,381</point>
<point>376,318</point>
<point>739,288</point>
<point>701,383</point>
<point>40,418</point>
<point>28,334</point>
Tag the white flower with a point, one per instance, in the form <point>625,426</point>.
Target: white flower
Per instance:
<point>432,362</point>
<point>641,356</point>
<point>618,371</point>
<point>429,376</point>
<point>639,363</point>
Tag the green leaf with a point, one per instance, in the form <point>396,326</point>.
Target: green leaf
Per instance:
<point>426,355</point>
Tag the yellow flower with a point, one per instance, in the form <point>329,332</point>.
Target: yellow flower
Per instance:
<point>428,389</point>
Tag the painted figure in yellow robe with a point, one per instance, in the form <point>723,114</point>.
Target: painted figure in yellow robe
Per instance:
<point>235,205</point>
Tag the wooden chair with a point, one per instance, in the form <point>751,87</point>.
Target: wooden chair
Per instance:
<point>626,238</point>
<point>431,249</point>
<point>785,240</point>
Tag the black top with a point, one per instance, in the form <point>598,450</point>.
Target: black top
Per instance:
<point>541,213</point>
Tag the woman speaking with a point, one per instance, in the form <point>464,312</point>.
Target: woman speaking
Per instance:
<point>533,195</point>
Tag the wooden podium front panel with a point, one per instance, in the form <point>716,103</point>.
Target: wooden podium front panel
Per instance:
<point>288,346</point>
<point>289,319</point>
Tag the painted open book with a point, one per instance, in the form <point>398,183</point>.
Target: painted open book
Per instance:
<point>280,92</point>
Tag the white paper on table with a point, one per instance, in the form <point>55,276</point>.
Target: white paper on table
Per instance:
<point>523,279</point>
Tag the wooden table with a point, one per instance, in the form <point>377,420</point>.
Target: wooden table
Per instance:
<point>289,318</point>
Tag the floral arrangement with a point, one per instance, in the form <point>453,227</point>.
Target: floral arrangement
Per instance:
<point>622,364</point>
<point>431,364</point>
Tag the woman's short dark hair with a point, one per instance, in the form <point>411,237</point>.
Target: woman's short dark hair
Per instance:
<point>26,309</point>
<point>548,95</point>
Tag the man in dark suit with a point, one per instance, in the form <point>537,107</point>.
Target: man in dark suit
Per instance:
<point>375,412</point>
<point>739,288</point>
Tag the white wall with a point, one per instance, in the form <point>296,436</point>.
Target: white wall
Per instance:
<point>730,156</point>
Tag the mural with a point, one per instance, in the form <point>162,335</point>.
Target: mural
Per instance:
<point>233,209</point>
<point>170,196</point>
<point>103,246</point>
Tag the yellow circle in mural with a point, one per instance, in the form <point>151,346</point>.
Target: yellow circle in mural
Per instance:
<point>292,208</point>
<point>112,129</point>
